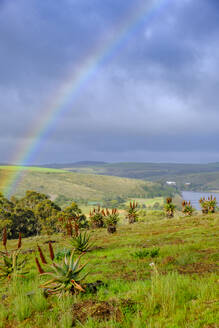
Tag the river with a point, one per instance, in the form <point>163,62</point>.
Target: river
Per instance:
<point>195,196</point>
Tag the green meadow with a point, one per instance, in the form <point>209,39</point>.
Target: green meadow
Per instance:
<point>148,201</point>
<point>159,273</point>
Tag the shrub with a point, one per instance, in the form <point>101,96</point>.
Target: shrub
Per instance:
<point>147,253</point>
<point>72,220</point>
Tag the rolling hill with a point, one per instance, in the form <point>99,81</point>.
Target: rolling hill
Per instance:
<point>202,177</point>
<point>56,182</point>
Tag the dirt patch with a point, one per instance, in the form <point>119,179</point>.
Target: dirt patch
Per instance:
<point>130,276</point>
<point>199,268</point>
<point>162,232</point>
<point>117,262</point>
<point>168,260</point>
<point>161,242</point>
<point>128,305</point>
<point>96,248</point>
<point>125,275</point>
<point>206,251</point>
<point>98,310</point>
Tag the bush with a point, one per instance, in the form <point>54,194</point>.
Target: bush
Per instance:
<point>147,253</point>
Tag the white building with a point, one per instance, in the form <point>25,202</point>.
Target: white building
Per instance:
<point>173,183</point>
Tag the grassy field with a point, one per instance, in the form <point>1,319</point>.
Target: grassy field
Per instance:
<point>28,168</point>
<point>147,201</point>
<point>180,290</point>
<point>75,186</point>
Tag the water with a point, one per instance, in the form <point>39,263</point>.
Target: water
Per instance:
<point>195,196</point>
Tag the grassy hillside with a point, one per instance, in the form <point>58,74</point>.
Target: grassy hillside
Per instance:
<point>201,176</point>
<point>178,291</point>
<point>75,186</point>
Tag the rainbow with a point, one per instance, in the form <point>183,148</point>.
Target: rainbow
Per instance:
<point>143,13</point>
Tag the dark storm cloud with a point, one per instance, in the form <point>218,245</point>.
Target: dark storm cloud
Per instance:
<point>155,98</point>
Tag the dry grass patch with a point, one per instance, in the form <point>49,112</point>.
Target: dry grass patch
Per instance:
<point>98,310</point>
<point>199,268</point>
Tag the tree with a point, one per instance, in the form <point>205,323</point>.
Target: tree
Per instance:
<point>24,221</point>
<point>47,214</point>
<point>72,218</point>
<point>32,198</point>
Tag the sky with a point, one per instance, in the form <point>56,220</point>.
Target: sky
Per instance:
<point>154,97</point>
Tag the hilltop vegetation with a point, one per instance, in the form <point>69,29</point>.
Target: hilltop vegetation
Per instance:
<point>78,187</point>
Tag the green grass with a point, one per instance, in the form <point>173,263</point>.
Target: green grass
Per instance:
<point>28,168</point>
<point>147,201</point>
<point>178,291</point>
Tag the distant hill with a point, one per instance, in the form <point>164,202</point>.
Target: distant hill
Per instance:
<point>76,164</point>
<point>199,176</point>
<point>76,186</point>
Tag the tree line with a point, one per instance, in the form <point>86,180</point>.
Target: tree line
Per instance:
<point>33,214</point>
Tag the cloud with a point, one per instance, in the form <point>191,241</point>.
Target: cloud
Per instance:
<point>155,97</point>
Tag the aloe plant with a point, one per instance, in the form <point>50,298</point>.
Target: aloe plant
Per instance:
<point>169,208</point>
<point>11,265</point>
<point>65,278</point>
<point>187,208</point>
<point>96,218</point>
<point>212,203</point>
<point>81,243</point>
<point>111,219</point>
<point>204,205</point>
<point>208,205</point>
<point>132,212</point>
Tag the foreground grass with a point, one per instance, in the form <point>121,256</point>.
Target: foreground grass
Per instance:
<point>179,291</point>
